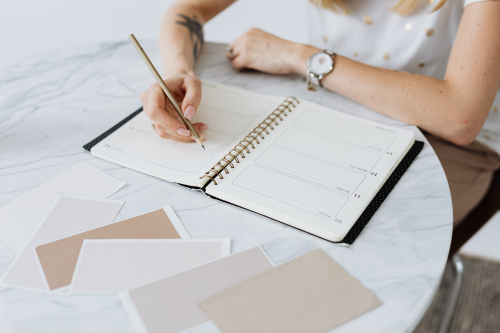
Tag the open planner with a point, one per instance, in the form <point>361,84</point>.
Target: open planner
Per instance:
<point>302,164</point>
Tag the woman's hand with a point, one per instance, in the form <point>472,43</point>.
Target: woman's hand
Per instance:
<point>186,89</point>
<point>259,50</point>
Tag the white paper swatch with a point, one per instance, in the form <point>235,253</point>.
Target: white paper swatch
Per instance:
<point>111,266</point>
<point>20,218</point>
<point>70,215</point>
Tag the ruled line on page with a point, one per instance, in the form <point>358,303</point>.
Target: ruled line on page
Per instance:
<point>314,171</point>
<point>214,142</point>
<point>227,99</point>
<point>164,153</point>
<point>346,131</point>
<point>291,191</point>
<point>329,150</point>
<point>222,121</point>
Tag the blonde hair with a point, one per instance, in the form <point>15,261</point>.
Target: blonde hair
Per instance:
<point>403,7</point>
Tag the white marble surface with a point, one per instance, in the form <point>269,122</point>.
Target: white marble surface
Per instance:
<point>52,104</point>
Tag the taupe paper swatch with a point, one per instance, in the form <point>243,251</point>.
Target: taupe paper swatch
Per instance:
<point>58,259</point>
<point>112,266</point>
<point>171,304</point>
<point>70,215</point>
<point>310,294</point>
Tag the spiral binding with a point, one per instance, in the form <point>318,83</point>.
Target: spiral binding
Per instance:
<point>243,147</point>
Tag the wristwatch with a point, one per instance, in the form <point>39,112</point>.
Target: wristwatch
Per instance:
<point>318,65</point>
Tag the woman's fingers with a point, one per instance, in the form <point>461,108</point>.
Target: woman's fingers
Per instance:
<point>192,97</point>
<point>248,51</point>
<point>230,53</point>
<point>243,54</point>
<point>161,112</point>
<point>240,61</point>
<point>145,99</point>
<point>163,133</point>
<point>259,50</point>
<point>199,127</point>
<point>157,113</point>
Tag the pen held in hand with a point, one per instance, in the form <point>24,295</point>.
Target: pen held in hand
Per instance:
<point>164,87</point>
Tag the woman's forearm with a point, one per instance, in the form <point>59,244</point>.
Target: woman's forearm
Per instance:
<point>454,108</point>
<point>433,105</point>
<point>181,39</point>
<point>181,33</point>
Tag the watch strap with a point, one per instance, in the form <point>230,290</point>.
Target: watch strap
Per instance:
<point>330,53</point>
<point>313,81</point>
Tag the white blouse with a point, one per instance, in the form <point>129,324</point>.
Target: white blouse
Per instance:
<point>372,34</point>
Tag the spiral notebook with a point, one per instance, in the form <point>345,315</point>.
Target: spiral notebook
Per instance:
<point>313,168</point>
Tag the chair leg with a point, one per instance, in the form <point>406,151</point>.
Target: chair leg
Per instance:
<point>453,294</point>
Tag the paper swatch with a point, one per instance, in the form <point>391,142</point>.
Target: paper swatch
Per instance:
<point>70,215</point>
<point>58,259</point>
<point>110,266</point>
<point>171,304</point>
<point>309,294</point>
<point>20,218</point>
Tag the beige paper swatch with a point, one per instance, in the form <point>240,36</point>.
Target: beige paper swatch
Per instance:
<point>310,294</point>
<point>70,215</point>
<point>112,266</point>
<point>170,305</point>
<point>58,259</point>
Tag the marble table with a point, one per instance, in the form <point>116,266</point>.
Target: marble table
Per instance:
<point>52,104</point>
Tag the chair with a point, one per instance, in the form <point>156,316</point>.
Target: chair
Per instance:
<point>461,234</point>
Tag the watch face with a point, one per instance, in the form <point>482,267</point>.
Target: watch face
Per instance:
<point>320,63</point>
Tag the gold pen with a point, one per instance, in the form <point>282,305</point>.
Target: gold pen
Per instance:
<point>165,89</point>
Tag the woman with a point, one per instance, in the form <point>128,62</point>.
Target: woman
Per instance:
<point>433,65</point>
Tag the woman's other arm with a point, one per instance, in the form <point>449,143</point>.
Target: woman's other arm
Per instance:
<point>181,40</point>
<point>454,109</point>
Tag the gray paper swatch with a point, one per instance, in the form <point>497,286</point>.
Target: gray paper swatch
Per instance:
<point>171,304</point>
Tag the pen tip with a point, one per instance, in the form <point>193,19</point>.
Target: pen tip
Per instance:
<point>203,147</point>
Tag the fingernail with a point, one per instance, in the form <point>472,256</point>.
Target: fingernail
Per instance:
<point>189,113</point>
<point>203,127</point>
<point>183,131</point>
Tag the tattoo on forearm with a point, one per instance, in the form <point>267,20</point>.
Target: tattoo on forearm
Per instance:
<point>195,32</point>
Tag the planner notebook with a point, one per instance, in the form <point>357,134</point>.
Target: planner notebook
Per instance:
<point>313,168</point>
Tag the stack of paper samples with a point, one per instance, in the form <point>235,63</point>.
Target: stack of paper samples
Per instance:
<point>68,242</point>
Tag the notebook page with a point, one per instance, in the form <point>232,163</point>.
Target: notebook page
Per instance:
<point>231,114</point>
<point>317,171</point>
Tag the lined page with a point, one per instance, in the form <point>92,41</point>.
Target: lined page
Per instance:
<point>234,100</point>
<point>281,187</point>
<point>153,150</point>
<point>345,131</point>
<point>215,142</point>
<point>317,171</point>
<point>336,152</point>
<point>312,171</point>
<point>223,121</point>
<point>230,113</point>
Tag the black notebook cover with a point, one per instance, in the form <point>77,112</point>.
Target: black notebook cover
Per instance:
<point>365,217</point>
